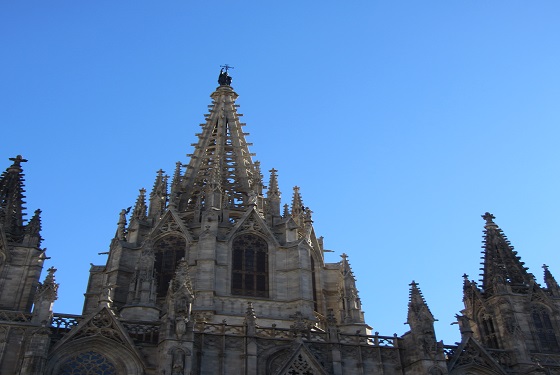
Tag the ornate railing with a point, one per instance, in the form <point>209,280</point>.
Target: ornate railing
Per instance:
<point>15,316</point>
<point>63,323</point>
<point>147,333</point>
<point>287,334</point>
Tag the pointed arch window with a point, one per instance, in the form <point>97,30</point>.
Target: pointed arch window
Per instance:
<point>88,363</point>
<point>489,336</point>
<point>544,330</point>
<point>168,251</point>
<point>249,266</point>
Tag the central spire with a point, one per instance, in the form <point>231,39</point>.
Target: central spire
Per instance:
<point>221,161</point>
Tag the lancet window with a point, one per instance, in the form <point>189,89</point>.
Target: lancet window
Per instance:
<point>544,329</point>
<point>168,251</point>
<point>489,335</point>
<point>249,266</point>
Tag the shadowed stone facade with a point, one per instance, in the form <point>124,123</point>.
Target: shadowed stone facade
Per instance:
<point>210,274</point>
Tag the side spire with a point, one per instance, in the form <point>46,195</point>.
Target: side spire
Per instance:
<point>550,282</point>
<point>273,194</point>
<point>419,314</point>
<point>11,200</point>
<point>33,230</point>
<point>351,308</point>
<point>176,184</point>
<point>140,208</point>
<point>501,266</point>
<point>158,196</point>
<point>298,208</point>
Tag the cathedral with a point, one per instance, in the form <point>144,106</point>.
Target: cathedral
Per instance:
<point>208,273</point>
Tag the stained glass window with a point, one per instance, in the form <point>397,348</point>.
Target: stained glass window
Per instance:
<point>250,266</point>
<point>88,363</point>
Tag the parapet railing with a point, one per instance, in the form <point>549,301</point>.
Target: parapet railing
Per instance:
<point>15,316</point>
<point>318,336</point>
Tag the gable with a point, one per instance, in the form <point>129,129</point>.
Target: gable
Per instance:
<point>252,222</point>
<point>300,362</point>
<point>471,356</point>
<point>171,223</point>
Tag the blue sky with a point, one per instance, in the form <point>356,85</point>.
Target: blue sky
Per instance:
<point>401,121</point>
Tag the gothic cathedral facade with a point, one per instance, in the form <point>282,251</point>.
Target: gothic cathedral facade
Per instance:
<point>209,274</point>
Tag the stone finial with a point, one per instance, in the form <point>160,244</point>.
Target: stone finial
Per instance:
<point>489,220</point>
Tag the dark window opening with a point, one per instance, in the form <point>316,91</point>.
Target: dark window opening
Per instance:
<point>249,266</point>
<point>168,251</point>
<point>545,330</point>
<point>490,337</point>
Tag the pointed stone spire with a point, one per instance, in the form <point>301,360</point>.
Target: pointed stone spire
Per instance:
<point>273,195</point>
<point>33,230</point>
<point>140,208</point>
<point>221,152</point>
<point>419,314</point>
<point>121,225</point>
<point>298,209</point>
<point>286,211</point>
<point>502,267</point>
<point>158,196</point>
<point>550,282</point>
<point>351,307</point>
<point>11,200</point>
<point>176,185</point>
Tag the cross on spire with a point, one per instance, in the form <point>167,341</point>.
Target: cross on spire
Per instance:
<point>226,67</point>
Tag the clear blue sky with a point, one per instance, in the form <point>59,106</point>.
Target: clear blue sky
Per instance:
<point>401,121</point>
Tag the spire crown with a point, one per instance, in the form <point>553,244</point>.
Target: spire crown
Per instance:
<point>489,220</point>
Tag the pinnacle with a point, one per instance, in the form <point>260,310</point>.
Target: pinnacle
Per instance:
<point>417,306</point>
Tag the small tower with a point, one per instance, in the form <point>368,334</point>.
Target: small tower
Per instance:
<point>509,311</point>
<point>425,352</point>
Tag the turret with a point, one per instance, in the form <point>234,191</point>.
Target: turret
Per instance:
<point>424,351</point>
<point>350,304</point>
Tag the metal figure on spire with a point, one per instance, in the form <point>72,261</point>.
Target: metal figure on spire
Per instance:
<point>224,79</point>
